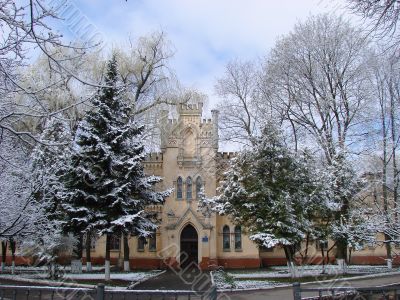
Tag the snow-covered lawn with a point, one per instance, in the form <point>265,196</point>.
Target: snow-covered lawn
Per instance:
<point>66,268</point>
<point>256,284</point>
<point>85,278</point>
<point>303,271</point>
<point>132,276</point>
<point>224,281</point>
<point>275,276</point>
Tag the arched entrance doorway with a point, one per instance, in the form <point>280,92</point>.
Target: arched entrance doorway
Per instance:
<point>189,246</point>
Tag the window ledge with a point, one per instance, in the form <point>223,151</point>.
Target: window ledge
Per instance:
<point>114,250</point>
<point>227,250</point>
<point>153,250</point>
<point>239,250</point>
<point>140,250</point>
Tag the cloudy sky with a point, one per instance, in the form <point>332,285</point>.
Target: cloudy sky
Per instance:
<point>205,34</point>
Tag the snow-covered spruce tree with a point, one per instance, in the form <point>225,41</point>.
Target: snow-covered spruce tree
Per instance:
<point>272,193</point>
<point>107,189</point>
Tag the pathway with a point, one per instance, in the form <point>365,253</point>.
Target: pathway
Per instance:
<point>189,279</point>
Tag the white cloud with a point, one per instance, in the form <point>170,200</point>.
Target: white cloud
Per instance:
<point>206,33</point>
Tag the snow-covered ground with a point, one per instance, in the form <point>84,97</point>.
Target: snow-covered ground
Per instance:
<point>225,281</point>
<point>255,284</point>
<point>67,268</point>
<point>303,271</point>
<point>132,276</point>
<point>256,279</point>
<point>38,274</point>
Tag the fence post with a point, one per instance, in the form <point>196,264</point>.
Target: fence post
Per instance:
<point>214,293</point>
<point>100,292</point>
<point>296,291</point>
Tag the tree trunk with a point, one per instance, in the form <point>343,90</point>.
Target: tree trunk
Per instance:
<point>394,141</point>
<point>388,251</point>
<point>76,262</point>
<point>52,270</point>
<point>12,246</point>
<point>327,256</point>
<point>78,251</point>
<point>349,261</point>
<point>341,255</point>
<point>306,252</point>
<point>343,214</point>
<point>88,254</point>
<point>294,133</point>
<point>126,253</point>
<point>289,253</point>
<point>341,249</point>
<point>323,260</point>
<point>107,261</point>
<point>384,178</point>
<point>3,256</point>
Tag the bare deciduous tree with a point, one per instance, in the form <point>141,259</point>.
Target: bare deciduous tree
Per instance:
<point>383,16</point>
<point>318,73</point>
<point>67,74</point>
<point>239,120</point>
<point>25,30</point>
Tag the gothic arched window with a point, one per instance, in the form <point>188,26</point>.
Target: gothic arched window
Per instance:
<point>189,188</point>
<point>199,186</point>
<point>226,239</point>
<point>238,237</point>
<point>179,187</point>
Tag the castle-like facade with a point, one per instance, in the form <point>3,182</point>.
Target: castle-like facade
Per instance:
<point>189,162</point>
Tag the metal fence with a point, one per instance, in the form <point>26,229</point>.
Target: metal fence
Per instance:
<point>388,292</point>
<point>8,292</point>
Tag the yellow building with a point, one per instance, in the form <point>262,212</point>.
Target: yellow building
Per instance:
<point>189,161</point>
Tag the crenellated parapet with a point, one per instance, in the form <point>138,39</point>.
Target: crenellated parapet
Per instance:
<point>154,157</point>
<point>206,122</point>
<point>153,160</point>
<point>226,155</point>
<point>186,109</point>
